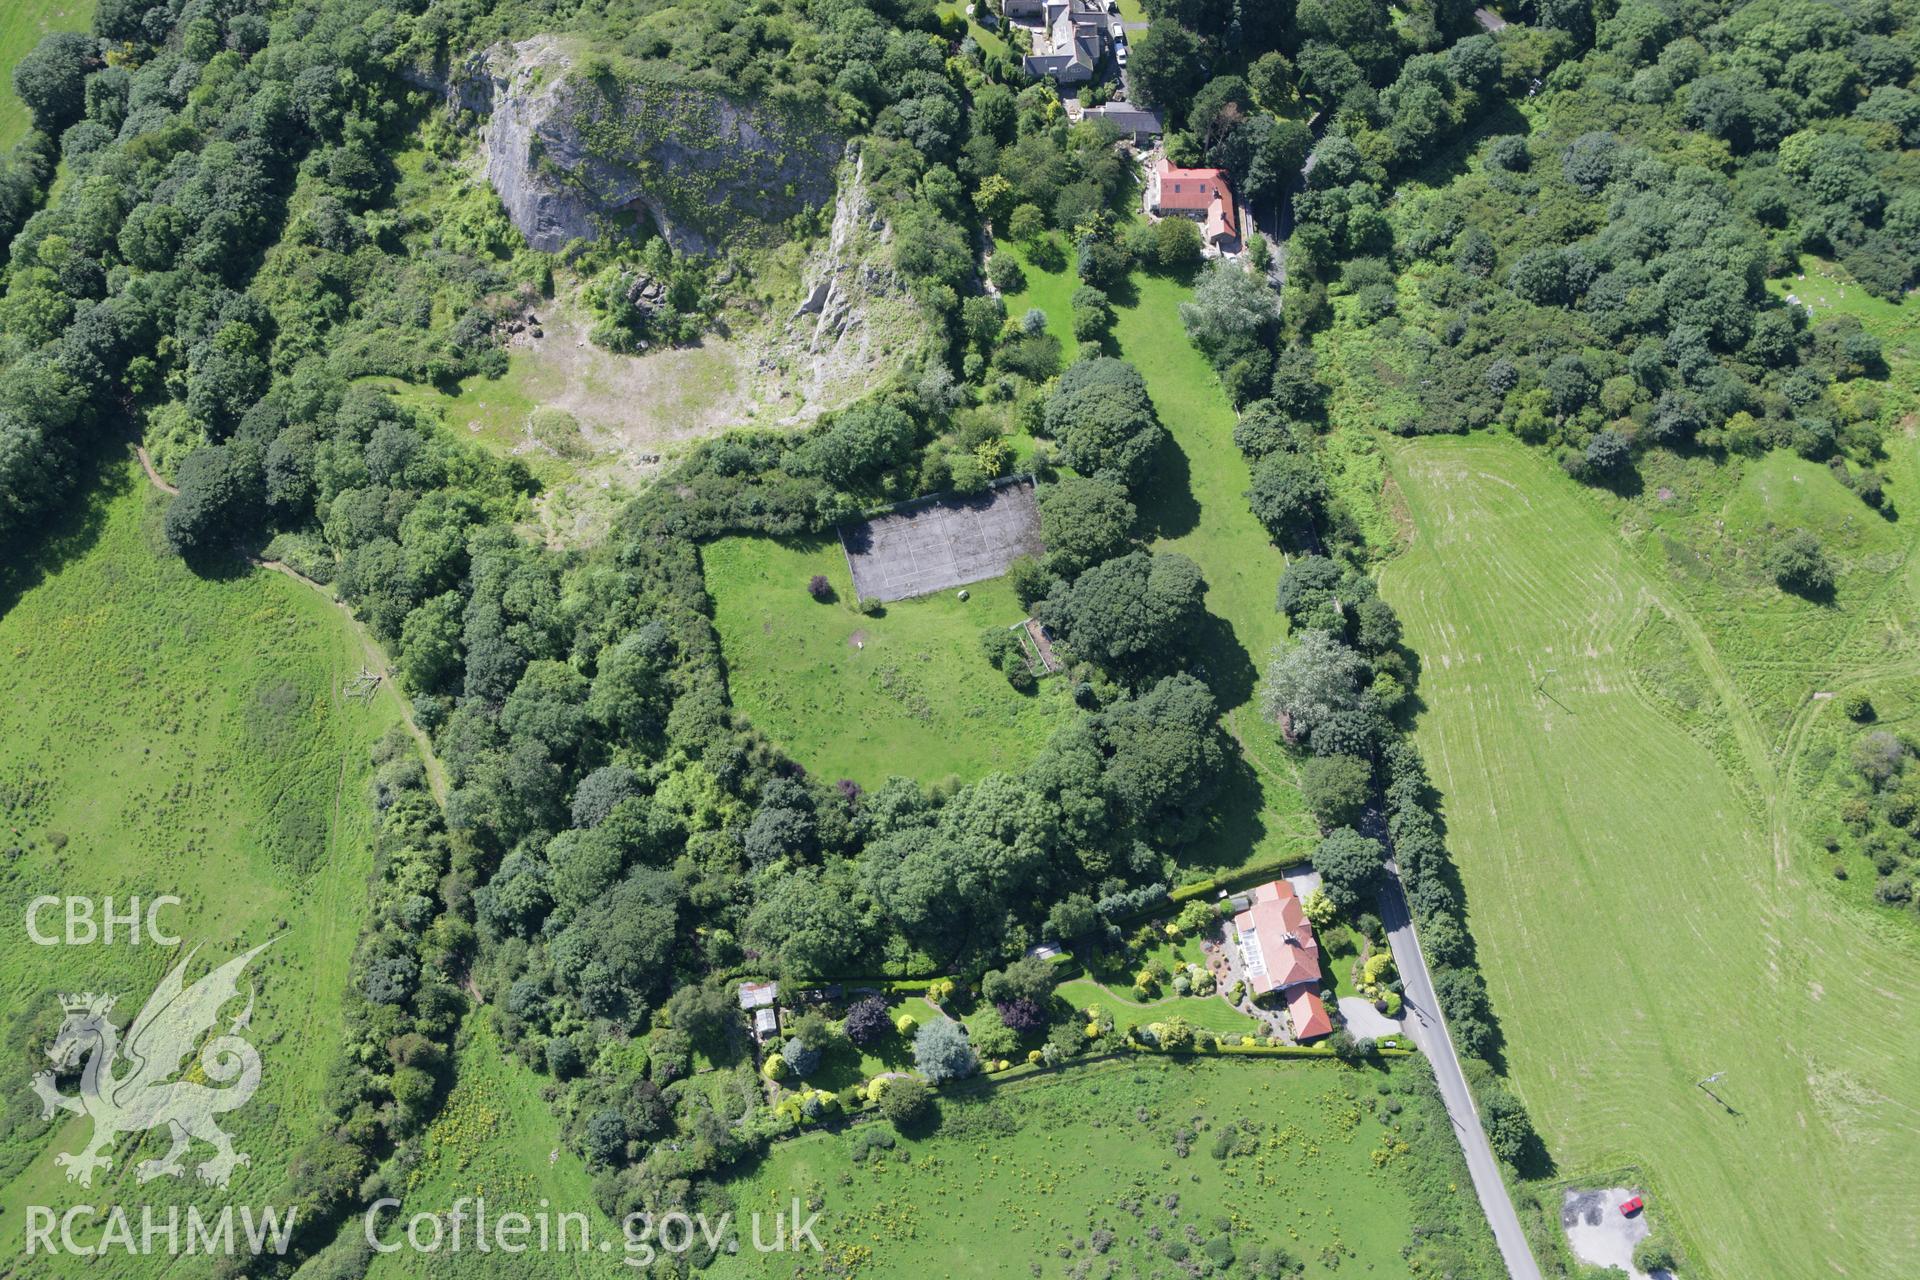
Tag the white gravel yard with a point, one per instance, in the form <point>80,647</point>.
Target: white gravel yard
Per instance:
<point>1600,1235</point>
<point>1364,1020</point>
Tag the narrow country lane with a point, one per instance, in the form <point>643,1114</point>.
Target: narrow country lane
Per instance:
<point>1429,1030</point>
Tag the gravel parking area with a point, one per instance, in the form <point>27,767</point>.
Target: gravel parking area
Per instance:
<point>1364,1020</point>
<point>1599,1235</point>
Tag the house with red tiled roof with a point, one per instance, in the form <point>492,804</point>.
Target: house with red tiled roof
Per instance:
<point>1200,194</point>
<point>1278,953</point>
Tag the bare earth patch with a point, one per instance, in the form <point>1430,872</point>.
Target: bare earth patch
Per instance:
<point>808,328</point>
<point>632,410</point>
<point>786,359</point>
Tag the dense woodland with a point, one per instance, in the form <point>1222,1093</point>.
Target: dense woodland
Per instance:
<point>1595,283</point>
<point>227,257</point>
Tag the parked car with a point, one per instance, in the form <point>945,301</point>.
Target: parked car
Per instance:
<point>1630,1207</point>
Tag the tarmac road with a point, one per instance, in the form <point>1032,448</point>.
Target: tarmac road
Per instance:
<point>1429,1031</point>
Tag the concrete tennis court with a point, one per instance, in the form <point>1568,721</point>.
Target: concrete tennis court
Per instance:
<point>942,542</point>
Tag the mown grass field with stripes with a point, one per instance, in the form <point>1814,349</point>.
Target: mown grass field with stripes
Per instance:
<point>1644,904</point>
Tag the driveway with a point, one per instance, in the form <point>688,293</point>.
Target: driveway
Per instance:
<point>1429,1031</point>
<point>1364,1020</point>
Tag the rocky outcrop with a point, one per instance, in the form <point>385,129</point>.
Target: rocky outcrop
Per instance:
<point>855,323</point>
<point>575,146</point>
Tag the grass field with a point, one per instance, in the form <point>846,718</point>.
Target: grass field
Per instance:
<point>1706,537</point>
<point>1114,1166</point>
<point>26,21</point>
<point>849,696</point>
<point>1638,893</point>
<point>496,1137</point>
<point>1195,502</point>
<point>163,733</point>
<point>790,676</point>
<point>1699,524</point>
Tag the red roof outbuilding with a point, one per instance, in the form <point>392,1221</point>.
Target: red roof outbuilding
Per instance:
<point>1310,1020</point>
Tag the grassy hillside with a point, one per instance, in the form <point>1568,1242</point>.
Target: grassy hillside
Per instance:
<point>1702,525</point>
<point>850,696</point>
<point>26,21</point>
<point>1640,912</point>
<point>1707,537</point>
<point>1351,1172</point>
<point>167,733</point>
<point>495,1137</point>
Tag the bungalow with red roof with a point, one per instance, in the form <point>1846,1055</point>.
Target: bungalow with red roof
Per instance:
<point>1278,953</point>
<point>1200,194</point>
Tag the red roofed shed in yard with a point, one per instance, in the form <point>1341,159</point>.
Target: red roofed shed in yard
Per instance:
<point>1310,1020</point>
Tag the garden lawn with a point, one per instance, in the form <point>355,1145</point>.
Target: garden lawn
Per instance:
<point>905,692</point>
<point>1195,503</point>
<point>1173,954</point>
<point>25,22</point>
<point>1641,914</point>
<point>1113,1165</point>
<point>846,1063</point>
<point>1050,291</point>
<point>168,733</point>
<point>1340,951</point>
<point>991,41</point>
<point>1211,1012</point>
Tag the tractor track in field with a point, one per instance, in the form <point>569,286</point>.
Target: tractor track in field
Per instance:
<point>1801,944</point>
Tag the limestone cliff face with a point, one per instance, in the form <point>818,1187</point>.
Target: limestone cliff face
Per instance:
<point>855,324</point>
<point>570,154</point>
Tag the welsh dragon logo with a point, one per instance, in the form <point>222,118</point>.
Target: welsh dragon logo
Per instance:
<point>129,1088</point>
